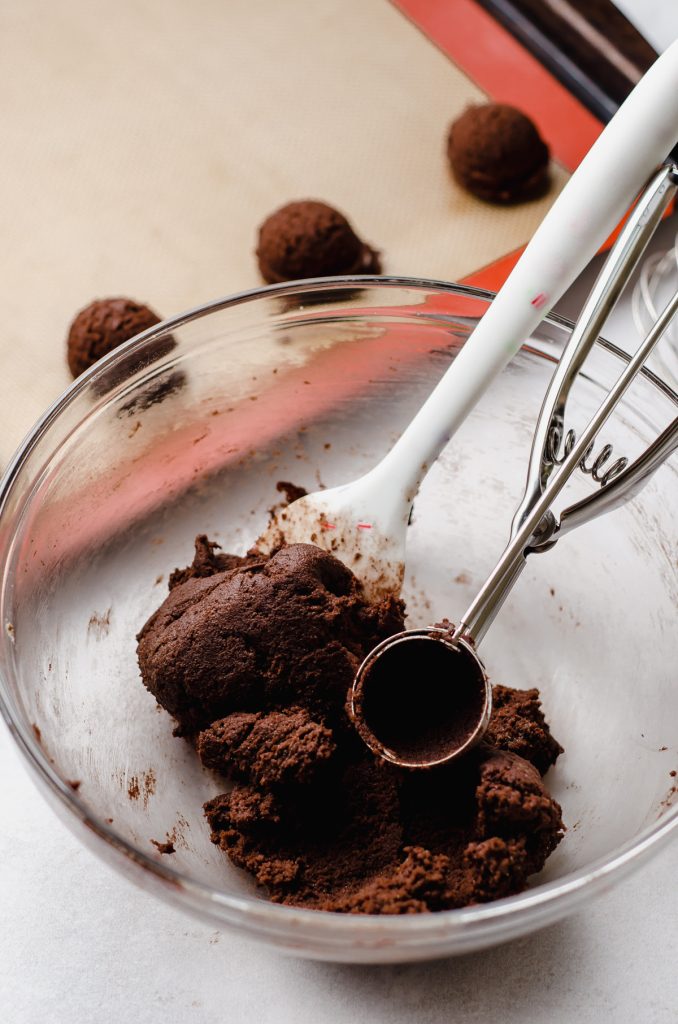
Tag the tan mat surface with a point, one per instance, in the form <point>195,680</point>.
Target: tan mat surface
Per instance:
<point>143,143</point>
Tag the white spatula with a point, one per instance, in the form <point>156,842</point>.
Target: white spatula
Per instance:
<point>364,523</point>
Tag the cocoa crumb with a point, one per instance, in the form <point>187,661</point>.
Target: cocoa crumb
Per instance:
<point>165,847</point>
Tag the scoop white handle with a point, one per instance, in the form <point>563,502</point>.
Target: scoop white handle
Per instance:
<point>638,138</point>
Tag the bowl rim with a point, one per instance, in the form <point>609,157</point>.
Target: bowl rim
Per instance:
<point>254,910</point>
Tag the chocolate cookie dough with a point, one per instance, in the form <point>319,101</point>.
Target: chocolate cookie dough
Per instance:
<point>496,153</point>
<point>370,838</point>
<point>254,657</point>
<point>518,725</point>
<point>311,239</point>
<point>102,326</point>
<point>261,633</point>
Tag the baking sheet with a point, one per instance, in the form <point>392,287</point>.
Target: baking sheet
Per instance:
<point>143,145</point>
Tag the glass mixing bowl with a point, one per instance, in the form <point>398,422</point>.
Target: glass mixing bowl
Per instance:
<point>186,430</point>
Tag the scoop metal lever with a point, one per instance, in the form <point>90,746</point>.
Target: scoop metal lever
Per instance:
<point>534,527</point>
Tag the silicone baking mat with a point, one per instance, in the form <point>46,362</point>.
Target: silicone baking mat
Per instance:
<point>143,146</point>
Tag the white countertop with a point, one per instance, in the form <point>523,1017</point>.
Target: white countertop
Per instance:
<point>79,944</point>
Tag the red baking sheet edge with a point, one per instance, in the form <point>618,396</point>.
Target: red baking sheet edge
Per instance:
<point>507,72</point>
